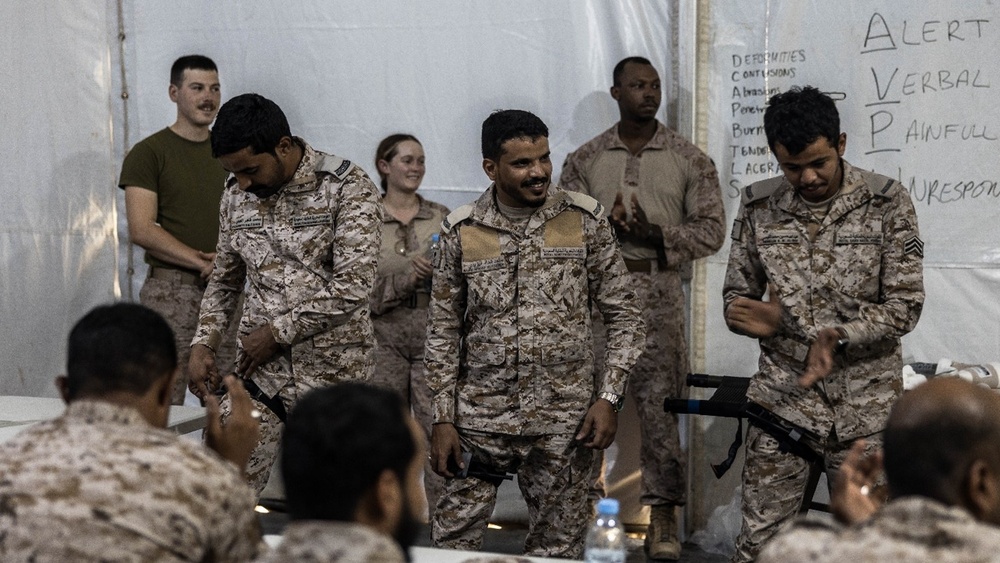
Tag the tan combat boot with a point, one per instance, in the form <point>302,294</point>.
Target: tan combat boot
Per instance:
<point>661,537</point>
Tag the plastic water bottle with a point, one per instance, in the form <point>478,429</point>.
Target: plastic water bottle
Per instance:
<point>606,538</point>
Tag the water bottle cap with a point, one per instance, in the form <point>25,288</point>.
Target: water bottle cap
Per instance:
<point>607,506</point>
<point>435,237</point>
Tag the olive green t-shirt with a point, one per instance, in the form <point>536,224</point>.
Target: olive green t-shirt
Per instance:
<point>188,183</point>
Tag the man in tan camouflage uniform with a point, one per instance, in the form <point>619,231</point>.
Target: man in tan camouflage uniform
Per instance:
<point>352,460</point>
<point>509,346</point>
<point>837,250</point>
<point>943,472</point>
<point>303,228</point>
<point>106,481</point>
<point>666,207</point>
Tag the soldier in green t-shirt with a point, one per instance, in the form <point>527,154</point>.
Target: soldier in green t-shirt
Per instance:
<point>172,191</point>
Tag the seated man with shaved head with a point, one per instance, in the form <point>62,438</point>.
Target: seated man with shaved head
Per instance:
<point>942,464</point>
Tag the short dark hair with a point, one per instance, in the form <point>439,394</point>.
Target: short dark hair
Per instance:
<point>616,74</point>
<point>249,120</point>
<point>119,347</point>
<point>504,125</point>
<point>194,62</point>
<point>387,150</point>
<point>932,439</point>
<point>798,117</point>
<point>336,443</point>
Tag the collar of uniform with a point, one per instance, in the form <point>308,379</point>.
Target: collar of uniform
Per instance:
<point>304,179</point>
<point>657,142</point>
<point>92,411</point>
<point>424,212</point>
<point>920,518</point>
<point>853,192</point>
<point>486,212</point>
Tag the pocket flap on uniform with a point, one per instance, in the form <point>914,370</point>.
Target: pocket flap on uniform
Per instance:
<point>564,352</point>
<point>485,353</point>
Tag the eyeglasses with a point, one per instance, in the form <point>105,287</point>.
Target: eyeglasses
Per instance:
<point>401,237</point>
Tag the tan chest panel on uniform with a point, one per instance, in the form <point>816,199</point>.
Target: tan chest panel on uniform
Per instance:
<point>564,230</point>
<point>479,243</point>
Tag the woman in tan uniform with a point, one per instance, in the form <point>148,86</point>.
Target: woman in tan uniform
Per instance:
<point>402,286</point>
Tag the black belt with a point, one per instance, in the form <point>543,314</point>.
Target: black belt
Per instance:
<point>273,404</point>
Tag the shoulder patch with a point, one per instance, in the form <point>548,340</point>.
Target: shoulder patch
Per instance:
<point>586,203</point>
<point>759,191</point>
<point>456,217</point>
<point>879,184</point>
<point>335,165</point>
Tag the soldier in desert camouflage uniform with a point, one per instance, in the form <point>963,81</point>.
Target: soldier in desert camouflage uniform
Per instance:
<point>106,481</point>
<point>672,189</point>
<point>838,251</point>
<point>509,346</point>
<point>352,461</point>
<point>943,473</point>
<point>304,228</point>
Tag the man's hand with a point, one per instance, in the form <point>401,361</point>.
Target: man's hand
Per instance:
<point>421,270</point>
<point>854,497</point>
<point>235,440</point>
<point>819,361</point>
<point>638,229</point>
<point>755,318</point>
<point>258,347</point>
<point>202,371</point>
<point>599,426</point>
<point>445,445</point>
<point>208,263</point>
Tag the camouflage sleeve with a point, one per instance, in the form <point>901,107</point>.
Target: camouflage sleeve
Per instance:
<point>571,177</point>
<point>611,290</point>
<point>224,285</point>
<point>703,229</point>
<point>445,327</point>
<point>354,251</point>
<point>901,293</point>
<point>745,276</point>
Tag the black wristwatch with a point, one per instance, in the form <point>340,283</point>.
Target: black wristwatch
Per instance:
<point>617,401</point>
<point>842,342</point>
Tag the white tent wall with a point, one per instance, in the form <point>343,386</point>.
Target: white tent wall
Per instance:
<point>57,227</point>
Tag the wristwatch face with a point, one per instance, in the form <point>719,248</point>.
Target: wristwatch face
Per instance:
<point>617,401</point>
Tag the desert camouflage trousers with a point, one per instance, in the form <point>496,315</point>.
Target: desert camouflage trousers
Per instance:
<point>659,373</point>
<point>399,366</point>
<point>774,484</point>
<point>265,453</point>
<point>553,474</point>
<point>179,304</point>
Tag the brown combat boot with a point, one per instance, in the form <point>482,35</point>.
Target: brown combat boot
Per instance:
<point>661,537</point>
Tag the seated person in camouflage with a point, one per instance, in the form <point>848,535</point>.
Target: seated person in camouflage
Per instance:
<point>943,470</point>
<point>352,458</point>
<point>106,481</point>
<point>509,348</point>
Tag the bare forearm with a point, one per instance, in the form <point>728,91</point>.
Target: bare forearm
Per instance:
<point>163,246</point>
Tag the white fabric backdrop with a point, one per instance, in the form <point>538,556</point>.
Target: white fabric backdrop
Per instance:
<point>57,227</point>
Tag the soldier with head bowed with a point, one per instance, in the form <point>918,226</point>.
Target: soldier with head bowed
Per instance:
<point>826,271</point>
<point>301,229</point>
<point>510,348</point>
